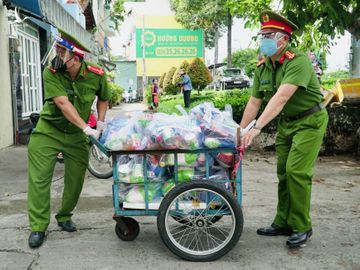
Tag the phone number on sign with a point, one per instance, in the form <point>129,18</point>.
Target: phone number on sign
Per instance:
<point>176,51</point>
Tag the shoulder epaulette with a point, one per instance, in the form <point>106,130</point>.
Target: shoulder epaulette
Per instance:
<point>53,70</point>
<point>262,61</point>
<point>96,70</point>
<point>289,55</point>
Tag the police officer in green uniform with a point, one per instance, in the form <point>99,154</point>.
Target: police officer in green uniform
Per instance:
<point>285,79</point>
<point>70,87</point>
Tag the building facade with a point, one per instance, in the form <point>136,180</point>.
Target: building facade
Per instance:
<point>26,31</point>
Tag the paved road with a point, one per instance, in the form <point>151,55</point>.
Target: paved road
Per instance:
<point>335,210</point>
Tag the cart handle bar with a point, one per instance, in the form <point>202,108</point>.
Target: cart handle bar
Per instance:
<point>241,151</point>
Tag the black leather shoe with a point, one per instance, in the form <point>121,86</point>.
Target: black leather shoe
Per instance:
<point>36,239</point>
<point>274,230</point>
<point>297,239</point>
<point>68,226</point>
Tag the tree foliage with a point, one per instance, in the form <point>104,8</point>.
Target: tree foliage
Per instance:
<point>184,66</point>
<point>248,10</point>
<point>117,14</point>
<point>328,17</point>
<point>116,93</point>
<point>161,81</point>
<point>246,59</point>
<point>208,15</point>
<point>199,74</point>
<point>168,86</point>
<point>318,21</point>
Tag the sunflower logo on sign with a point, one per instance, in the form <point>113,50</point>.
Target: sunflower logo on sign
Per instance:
<point>149,38</point>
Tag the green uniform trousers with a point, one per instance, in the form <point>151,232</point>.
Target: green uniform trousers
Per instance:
<point>45,143</point>
<point>297,146</point>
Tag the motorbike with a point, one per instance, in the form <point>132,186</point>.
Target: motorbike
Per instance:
<point>99,166</point>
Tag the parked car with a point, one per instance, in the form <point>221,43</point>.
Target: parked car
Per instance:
<point>233,78</point>
<point>228,78</point>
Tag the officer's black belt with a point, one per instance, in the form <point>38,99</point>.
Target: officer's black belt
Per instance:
<point>316,108</point>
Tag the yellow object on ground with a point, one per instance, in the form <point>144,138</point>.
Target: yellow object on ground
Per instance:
<point>348,89</point>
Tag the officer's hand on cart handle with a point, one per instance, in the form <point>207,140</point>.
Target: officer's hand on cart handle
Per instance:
<point>247,139</point>
<point>241,132</point>
<point>91,132</point>
<point>100,126</point>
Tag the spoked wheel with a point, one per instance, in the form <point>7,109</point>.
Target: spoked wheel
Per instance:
<point>200,221</point>
<point>184,220</point>
<point>127,231</point>
<point>100,165</point>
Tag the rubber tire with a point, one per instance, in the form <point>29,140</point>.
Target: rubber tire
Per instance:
<point>167,201</point>
<point>133,227</point>
<point>104,175</point>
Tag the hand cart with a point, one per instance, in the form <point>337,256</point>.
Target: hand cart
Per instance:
<point>198,220</point>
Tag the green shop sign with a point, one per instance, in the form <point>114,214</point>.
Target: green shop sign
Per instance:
<point>169,43</point>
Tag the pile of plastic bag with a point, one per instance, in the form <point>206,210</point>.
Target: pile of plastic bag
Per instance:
<point>160,171</point>
<point>203,127</point>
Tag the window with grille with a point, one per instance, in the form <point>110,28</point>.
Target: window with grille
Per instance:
<point>30,66</point>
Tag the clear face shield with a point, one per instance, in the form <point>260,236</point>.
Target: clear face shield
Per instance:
<point>60,53</point>
<point>269,35</point>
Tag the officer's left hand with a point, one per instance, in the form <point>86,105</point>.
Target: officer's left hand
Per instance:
<point>247,139</point>
<point>100,126</point>
<point>91,132</point>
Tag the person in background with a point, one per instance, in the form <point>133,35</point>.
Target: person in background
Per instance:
<point>70,87</point>
<point>155,94</point>
<point>286,80</point>
<point>186,87</point>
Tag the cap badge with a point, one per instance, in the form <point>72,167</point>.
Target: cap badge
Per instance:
<point>265,18</point>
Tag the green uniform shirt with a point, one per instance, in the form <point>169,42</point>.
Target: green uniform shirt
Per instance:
<point>292,67</point>
<point>81,93</point>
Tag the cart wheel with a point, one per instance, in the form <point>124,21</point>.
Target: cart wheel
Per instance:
<point>199,205</point>
<point>132,229</point>
<point>185,221</point>
<point>100,165</point>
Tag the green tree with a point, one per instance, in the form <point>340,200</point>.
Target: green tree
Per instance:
<point>169,87</point>
<point>161,81</point>
<point>322,20</point>
<point>199,74</point>
<point>211,15</point>
<point>116,94</point>
<point>184,66</point>
<point>199,14</point>
<point>117,14</point>
<point>246,59</point>
<point>319,22</point>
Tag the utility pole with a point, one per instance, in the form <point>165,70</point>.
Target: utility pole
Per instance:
<point>355,57</point>
<point>229,27</point>
<point>216,54</point>
<point>144,80</point>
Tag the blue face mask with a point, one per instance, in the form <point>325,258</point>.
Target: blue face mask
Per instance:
<point>268,46</point>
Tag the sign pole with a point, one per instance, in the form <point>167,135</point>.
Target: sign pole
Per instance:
<point>144,81</point>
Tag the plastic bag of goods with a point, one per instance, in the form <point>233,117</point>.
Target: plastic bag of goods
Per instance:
<point>125,135</point>
<point>136,193</point>
<point>174,132</point>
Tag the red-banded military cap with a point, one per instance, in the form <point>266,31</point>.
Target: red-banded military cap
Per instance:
<point>75,45</point>
<point>272,20</point>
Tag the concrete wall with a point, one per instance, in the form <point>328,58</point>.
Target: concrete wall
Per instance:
<point>6,116</point>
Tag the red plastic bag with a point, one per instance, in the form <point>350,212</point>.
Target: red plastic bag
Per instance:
<point>92,121</point>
